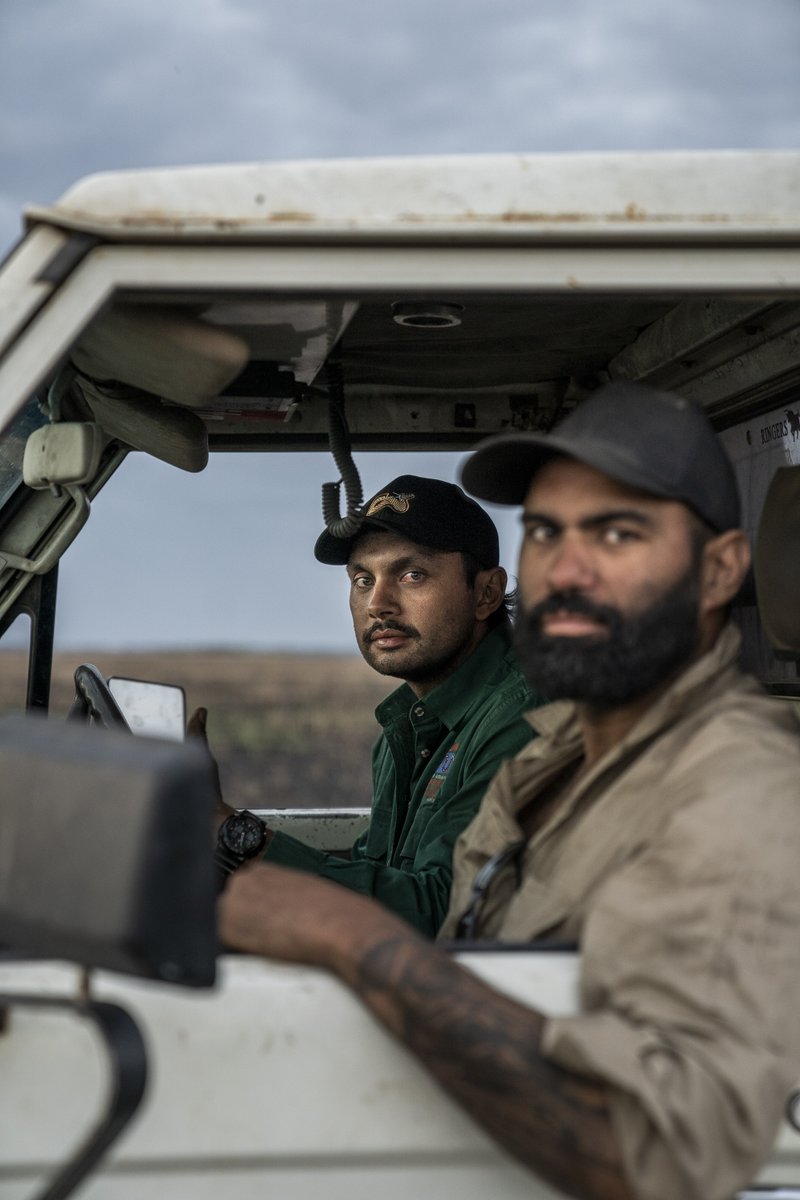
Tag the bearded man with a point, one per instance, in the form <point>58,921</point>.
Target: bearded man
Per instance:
<point>654,821</point>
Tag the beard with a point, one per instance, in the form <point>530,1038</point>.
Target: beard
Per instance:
<point>640,652</point>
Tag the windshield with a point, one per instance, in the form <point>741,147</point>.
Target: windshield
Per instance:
<point>12,447</point>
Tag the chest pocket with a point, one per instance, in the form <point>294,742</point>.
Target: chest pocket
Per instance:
<point>420,814</point>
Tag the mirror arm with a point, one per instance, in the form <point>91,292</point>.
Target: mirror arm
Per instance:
<point>61,538</point>
<point>128,1058</point>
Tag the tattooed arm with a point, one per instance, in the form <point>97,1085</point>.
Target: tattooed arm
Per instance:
<point>482,1047</point>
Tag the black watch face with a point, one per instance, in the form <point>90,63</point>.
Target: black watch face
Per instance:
<point>243,834</point>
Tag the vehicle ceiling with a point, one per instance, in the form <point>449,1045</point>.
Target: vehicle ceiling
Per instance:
<point>427,371</point>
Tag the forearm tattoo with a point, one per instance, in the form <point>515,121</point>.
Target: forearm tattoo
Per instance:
<point>483,1048</point>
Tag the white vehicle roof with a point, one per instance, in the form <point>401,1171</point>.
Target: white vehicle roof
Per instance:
<point>741,192</point>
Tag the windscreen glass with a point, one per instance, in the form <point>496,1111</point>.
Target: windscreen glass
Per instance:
<point>12,447</point>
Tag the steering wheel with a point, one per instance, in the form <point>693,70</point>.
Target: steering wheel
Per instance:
<point>93,701</point>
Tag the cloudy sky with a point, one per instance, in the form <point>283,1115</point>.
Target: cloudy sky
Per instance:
<point>95,85</point>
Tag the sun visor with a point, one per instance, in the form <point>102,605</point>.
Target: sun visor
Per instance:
<point>169,354</point>
<point>173,435</point>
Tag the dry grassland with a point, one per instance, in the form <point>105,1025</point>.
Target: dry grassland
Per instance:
<point>287,729</point>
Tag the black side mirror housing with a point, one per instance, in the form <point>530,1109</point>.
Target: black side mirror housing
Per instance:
<point>106,850</point>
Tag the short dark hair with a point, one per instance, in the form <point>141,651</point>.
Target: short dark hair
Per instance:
<point>504,613</point>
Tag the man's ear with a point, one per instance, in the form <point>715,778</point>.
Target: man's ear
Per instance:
<point>489,590</point>
<point>726,560</point>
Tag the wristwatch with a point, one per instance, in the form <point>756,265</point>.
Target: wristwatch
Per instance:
<point>240,837</point>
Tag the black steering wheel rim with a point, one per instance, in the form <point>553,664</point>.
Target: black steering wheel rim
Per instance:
<point>93,700</point>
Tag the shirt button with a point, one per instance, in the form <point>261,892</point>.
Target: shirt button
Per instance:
<point>424,753</point>
<point>419,711</point>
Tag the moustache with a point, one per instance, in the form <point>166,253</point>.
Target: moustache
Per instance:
<point>572,602</point>
<point>385,626</point>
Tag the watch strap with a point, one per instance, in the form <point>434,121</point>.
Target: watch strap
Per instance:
<point>226,858</point>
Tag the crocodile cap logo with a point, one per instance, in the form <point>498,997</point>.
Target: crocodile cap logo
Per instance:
<point>400,502</point>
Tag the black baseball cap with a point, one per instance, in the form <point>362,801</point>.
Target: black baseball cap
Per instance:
<point>654,441</point>
<point>429,512</point>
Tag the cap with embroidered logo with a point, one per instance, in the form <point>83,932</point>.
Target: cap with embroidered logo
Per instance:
<point>428,512</point>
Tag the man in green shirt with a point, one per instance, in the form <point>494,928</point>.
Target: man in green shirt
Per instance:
<point>427,596</point>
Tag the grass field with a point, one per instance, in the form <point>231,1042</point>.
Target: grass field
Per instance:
<point>287,729</point>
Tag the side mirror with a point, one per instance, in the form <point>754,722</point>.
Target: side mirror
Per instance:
<point>105,850</point>
<point>151,709</point>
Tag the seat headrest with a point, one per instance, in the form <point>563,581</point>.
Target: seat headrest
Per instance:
<point>776,563</point>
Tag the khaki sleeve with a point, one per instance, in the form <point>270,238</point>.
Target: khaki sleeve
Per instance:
<point>691,970</point>
<point>678,1121</point>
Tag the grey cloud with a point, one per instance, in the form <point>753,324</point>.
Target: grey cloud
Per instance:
<point>98,85</point>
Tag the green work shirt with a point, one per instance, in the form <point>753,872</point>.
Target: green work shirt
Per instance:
<point>430,769</point>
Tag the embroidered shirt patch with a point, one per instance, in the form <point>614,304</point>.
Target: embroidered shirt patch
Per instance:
<point>440,774</point>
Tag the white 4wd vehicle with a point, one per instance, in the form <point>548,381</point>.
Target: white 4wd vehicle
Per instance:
<point>183,312</point>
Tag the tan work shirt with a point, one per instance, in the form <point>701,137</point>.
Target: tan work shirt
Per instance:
<point>676,864</point>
